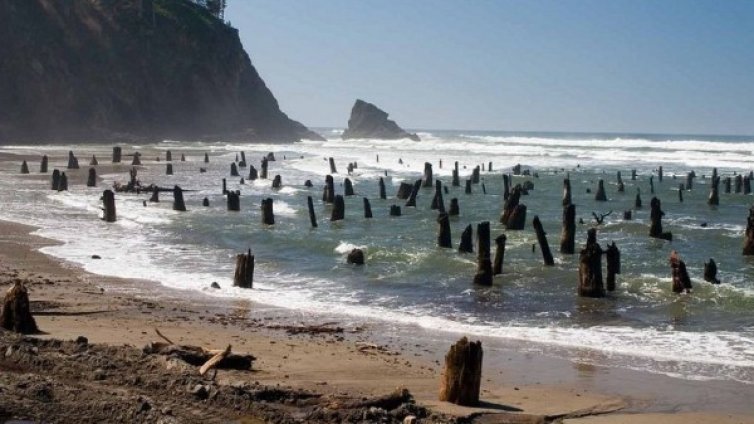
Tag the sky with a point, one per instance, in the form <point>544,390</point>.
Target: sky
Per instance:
<point>636,66</point>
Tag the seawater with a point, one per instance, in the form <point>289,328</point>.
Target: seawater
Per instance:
<point>408,280</point>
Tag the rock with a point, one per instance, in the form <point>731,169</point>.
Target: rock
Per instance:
<point>214,285</point>
<point>96,257</point>
<point>356,257</point>
<point>81,340</point>
<point>369,121</point>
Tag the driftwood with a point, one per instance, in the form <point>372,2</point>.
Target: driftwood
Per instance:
<point>679,274</point>
<point>656,214</point>
<point>454,210</point>
<point>612,256</point>
<point>497,267</point>
<point>367,209</point>
<point>542,240</point>
<point>710,272</point>
<point>178,203</point>
<point>339,209</point>
<point>483,275</point>
<point>443,233</point>
<point>43,165</point>
<point>244,275</point>
<point>117,153</point>
<point>568,235</point>
<point>601,218</point>
<point>108,206</point>
<point>749,234</point>
<point>199,356</point>
<point>268,216</point>
<point>16,315</point>
<point>466,237</point>
<point>590,268</point>
<point>462,375</point>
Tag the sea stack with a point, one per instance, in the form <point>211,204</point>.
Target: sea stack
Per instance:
<point>369,121</point>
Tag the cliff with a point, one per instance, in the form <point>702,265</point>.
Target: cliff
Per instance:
<point>369,121</point>
<point>111,70</point>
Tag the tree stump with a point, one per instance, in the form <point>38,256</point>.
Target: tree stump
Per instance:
<point>117,152</point>
<point>242,162</point>
<point>427,180</point>
<point>510,204</point>
<point>205,202</point>
<point>633,175</point>
<point>659,173</point>
<point>637,201</point>
<point>91,180</point>
<point>253,175</point>
<point>542,240</point>
<point>600,196</point>
<point>16,315</point>
<point>462,377</point>
<point>63,184</point>
<point>566,192</point>
<point>395,210</point>
<point>225,187</point>
<point>710,272</point>
<point>747,185</point>
<point>655,215</point>
<point>332,166</point>
<point>455,182</point>
<point>612,256</point>
<point>726,185</point>
<point>312,215</point>
<point>55,179</point>
<point>178,203</point>
<point>169,156</point>
<point>355,257</point>
<point>277,182</point>
<point>680,193</point>
<point>206,158</point>
<point>383,194</point>
<point>414,192</point>
<point>244,275</point>
<point>443,234</point>
<point>467,190</point>
<point>24,168</point>
<point>517,220</point>
<point>136,159</point>
<point>454,210</point>
<point>466,245</point>
<point>483,275</point>
<point>169,169</point>
<point>517,169</point>
<point>348,187</point>
<point>437,201</point>
<point>339,209</point>
<point>367,209</point>
<point>497,267</point>
<point>689,181</point>
<point>234,170</point>
<point>263,172</point>
<point>328,196</point>
<point>73,162</point>
<point>590,268</point>
<point>404,191</point>
<point>475,175</point>
<point>651,185</point>
<point>108,206</point>
<point>749,234</point>
<point>568,234</point>
<point>183,157</point>
<point>155,198</point>
<point>268,216</point>
<point>679,274</point>
<point>738,183</point>
<point>43,165</point>
<point>627,215</point>
<point>234,201</point>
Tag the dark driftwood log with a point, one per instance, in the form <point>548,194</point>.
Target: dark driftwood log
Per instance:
<point>726,185</point>
<point>679,274</point>
<point>404,191</point>
<point>355,257</point>
<point>155,196</point>
<point>63,184</point>
<point>91,180</point>
<point>414,192</point>
<point>333,170</point>
<point>233,170</point>
<point>225,186</point>
<point>16,315</point>
<point>108,206</point>
<point>312,215</point>
<point>454,210</point>
<point>749,234</point>
<point>542,240</point>
<point>253,175</point>
<point>136,159</point>
<point>348,187</point>
<point>117,153</point>
<point>612,256</point>
<point>466,245</point>
<point>197,356</point>
<point>443,233</point>
<point>178,203</point>
<point>264,166</point>
<point>437,201</point>
<point>367,208</point>
<point>268,215</point>
<point>475,175</point>
<point>24,167</point>
<point>383,193</point>
<point>55,179</point>
<point>467,190</point>
<point>43,164</point>
<point>710,272</point>
<point>73,162</point>
<point>328,196</point>
<point>462,376</point>
<point>427,180</point>
<point>497,267</point>
<point>566,192</point>
<point>517,220</point>
<point>234,201</point>
<point>483,274</point>
<point>590,268</point>
<point>506,186</point>
<point>395,210</point>
<point>244,275</point>
<point>206,158</point>
<point>600,196</point>
<point>568,234</point>
<point>655,215</point>
<point>277,182</point>
<point>339,209</point>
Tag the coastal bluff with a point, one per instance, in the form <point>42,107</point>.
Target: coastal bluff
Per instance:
<point>130,70</point>
<point>369,121</point>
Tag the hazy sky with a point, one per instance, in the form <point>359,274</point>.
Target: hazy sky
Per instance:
<point>624,66</point>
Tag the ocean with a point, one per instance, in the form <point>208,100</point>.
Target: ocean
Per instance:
<point>407,279</point>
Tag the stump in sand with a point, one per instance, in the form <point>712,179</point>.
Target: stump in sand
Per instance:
<point>483,274</point>
<point>427,180</point>
<point>465,246</point>
<point>277,182</point>
<point>655,215</point>
<point>108,206</point>
<point>542,240</point>
<point>312,215</point>
<point>497,267</point>
<point>681,280</point>
<point>566,192</point>
<point>600,196</point>
<point>43,165</point>
<point>169,169</point>
<point>462,376</point>
<point>443,234</point>
<point>16,315</point>
<point>253,175</point>
<point>24,167</point>
<point>268,216</point>
<point>244,275</point>
<point>234,201</point>
<point>234,170</point>
<point>383,194</point>
<point>55,179</point>
<point>568,235</point>
<point>178,203</point>
<point>347,187</point>
<point>117,152</point>
<point>590,268</point>
<point>339,209</point>
<point>454,210</point>
<point>437,202</point>
<point>328,195</point>
<point>749,234</point>
<point>73,162</point>
<point>710,272</point>
<point>367,208</point>
<point>612,256</point>
<point>91,180</point>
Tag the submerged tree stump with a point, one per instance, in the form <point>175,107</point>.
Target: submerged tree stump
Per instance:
<point>43,165</point>
<point>225,186</point>
<point>155,198</point>
<point>268,216</point>
<point>612,256</point>
<point>136,161</point>
<point>108,206</point>
<point>427,180</point>
<point>680,193</point>
<point>178,203</point>
<point>542,240</point>
<point>454,210</point>
<point>169,156</point>
<point>510,204</point>
<point>726,185</point>
<point>679,274</point>
<point>395,210</point>
<point>747,185</point>
<point>437,202</point>
<point>600,196</point>
<point>333,170</point>
<point>91,180</point>
<point>383,193</point>
<point>339,209</point>
<point>497,267</point>
<point>590,268</point>
<point>206,158</point>
<point>234,170</point>
<point>328,195</point>
<point>414,192</point>
<point>73,162</point>
<point>253,175</point>
<point>483,275</point>
<point>633,175</point>
<point>355,257</point>
<point>566,192</point>
<point>24,167</point>
<point>55,179</point>
<point>234,201</point>
<point>710,272</point>
<point>462,376</point>
<point>16,315</point>
<point>244,275</point>
<point>404,191</point>
<point>312,215</point>
<point>242,162</point>
<point>277,182</point>
<point>749,234</point>
<point>475,175</point>
<point>690,180</point>
<point>714,196</point>
<point>517,220</point>
<point>205,202</point>
<point>568,234</point>
<point>466,245</point>
<point>183,157</point>
<point>738,183</point>
<point>264,166</point>
<point>467,189</point>
<point>655,215</point>
<point>637,201</point>
<point>651,185</point>
<point>63,184</point>
<point>348,187</point>
<point>367,209</point>
<point>117,152</point>
<point>443,233</point>
<point>506,186</point>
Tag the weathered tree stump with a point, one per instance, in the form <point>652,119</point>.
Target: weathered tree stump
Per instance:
<point>155,198</point>
<point>55,179</point>
<point>566,192</point>
<point>747,185</point>
<point>206,158</point>
<point>462,376</point>
<point>517,169</point>
<point>253,175</point>
<point>612,256</point>
<point>16,315</point>
<point>590,268</point>
<point>350,168</point>
<point>383,193</point>
<point>637,201</point>
<point>517,220</point>
<point>183,157</point>
<point>308,184</point>
<point>395,210</point>
<point>627,215</point>
<point>367,209</point>
<point>659,174</point>
<point>600,196</point>
<point>404,191</point>
<point>43,165</point>
<point>455,182</point>
<point>136,161</point>
<point>268,215</point>
<point>427,180</point>
<point>633,175</point>
<point>738,183</point>
<point>328,195</point>
<point>714,196</point>
<point>312,215</point>
<point>680,193</point>
<point>475,175</point>
<point>225,186</point>
<point>178,203</point>
<point>169,169</point>
<point>679,274</point>
<point>621,186</point>
<point>205,202</point>
<point>277,182</point>
<point>443,234</point>
<point>333,170</point>
<point>690,181</point>
<point>568,234</point>
<point>117,152</point>
<point>497,267</point>
<point>263,172</point>
<point>483,276</point>
<point>726,185</point>
<point>244,275</point>
<point>348,187</point>
<point>108,206</point>
<point>542,240</point>
<point>339,209</point>
<point>234,201</point>
<point>63,184</point>
<point>454,210</point>
<point>710,272</point>
<point>466,245</point>
<point>242,162</point>
<point>91,180</point>
<point>24,167</point>
<point>655,215</point>
<point>651,185</point>
<point>169,156</point>
<point>749,234</point>
<point>355,257</point>
<point>414,192</point>
<point>234,170</point>
<point>514,213</point>
<point>467,190</point>
<point>437,201</point>
<point>73,162</point>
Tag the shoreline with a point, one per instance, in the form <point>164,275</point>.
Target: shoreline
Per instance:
<point>534,383</point>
